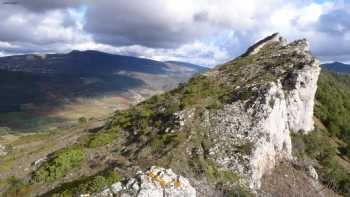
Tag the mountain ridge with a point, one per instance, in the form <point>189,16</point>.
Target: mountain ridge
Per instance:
<point>81,62</point>
<point>232,121</point>
<point>338,67</point>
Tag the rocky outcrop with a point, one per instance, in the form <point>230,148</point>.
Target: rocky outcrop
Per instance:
<point>311,172</point>
<point>244,128</point>
<point>155,182</point>
<point>251,135</point>
<point>3,151</point>
<point>276,37</point>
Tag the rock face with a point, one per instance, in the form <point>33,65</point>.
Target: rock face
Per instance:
<point>3,151</point>
<point>252,135</point>
<point>311,172</point>
<point>155,182</point>
<point>268,40</point>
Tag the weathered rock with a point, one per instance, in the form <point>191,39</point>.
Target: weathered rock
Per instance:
<point>251,135</point>
<point>3,151</point>
<point>37,163</point>
<point>311,172</point>
<point>276,37</point>
<point>155,182</point>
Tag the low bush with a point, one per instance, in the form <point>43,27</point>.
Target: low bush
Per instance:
<point>246,94</point>
<point>82,121</point>
<point>345,150</point>
<point>60,163</point>
<point>238,191</point>
<point>17,188</point>
<point>88,185</point>
<point>102,138</point>
<point>5,131</point>
<point>158,143</point>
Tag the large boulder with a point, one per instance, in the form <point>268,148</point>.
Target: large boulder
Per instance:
<point>155,182</point>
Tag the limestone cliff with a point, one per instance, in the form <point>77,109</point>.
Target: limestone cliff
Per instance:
<point>263,122</point>
<point>224,129</point>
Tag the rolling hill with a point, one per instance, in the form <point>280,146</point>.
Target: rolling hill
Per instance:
<point>35,85</point>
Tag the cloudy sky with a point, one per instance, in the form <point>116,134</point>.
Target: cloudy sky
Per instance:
<point>205,32</point>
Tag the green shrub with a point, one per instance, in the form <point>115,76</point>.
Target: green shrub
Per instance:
<point>203,91</point>
<point>88,185</point>
<point>61,162</point>
<point>212,103</point>
<point>135,118</point>
<point>345,151</point>
<point>82,121</point>
<point>17,188</point>
<point>238,191</point>
<point>5,130</point>
<point>246,94</point>
<point>102,138</point>
<point>63,194</point>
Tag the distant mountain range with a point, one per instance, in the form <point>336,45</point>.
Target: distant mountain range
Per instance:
<point>337,67</point>
<point>53,79</point>
<point>85,63</point>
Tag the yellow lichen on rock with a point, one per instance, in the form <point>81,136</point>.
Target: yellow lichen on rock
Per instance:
<point>151,174</point>
<point>177,183</point>
<point>162,182</point>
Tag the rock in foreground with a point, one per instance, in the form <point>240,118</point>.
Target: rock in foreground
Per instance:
<point>155,182</point>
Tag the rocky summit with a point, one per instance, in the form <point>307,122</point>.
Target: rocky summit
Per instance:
<point>216,135</point>
<point>227,127</point>
<point>280,80</point>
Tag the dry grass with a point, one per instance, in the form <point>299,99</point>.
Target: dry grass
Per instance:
<point>90,108</point>
<point>287,181</point>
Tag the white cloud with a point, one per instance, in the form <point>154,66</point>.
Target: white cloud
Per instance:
<point>203,31</point>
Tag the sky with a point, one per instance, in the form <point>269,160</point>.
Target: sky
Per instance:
<point>204,32</point>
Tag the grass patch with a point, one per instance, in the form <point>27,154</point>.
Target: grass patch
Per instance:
<point>88,185</point>
<point>238,191</point>
<point>17,188</point>
<point>26,139</point>
<point>246,94</point>
<point>82,121</point>
<point>61,162</point>
<point>160,142</point>
<point>102,138</point>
